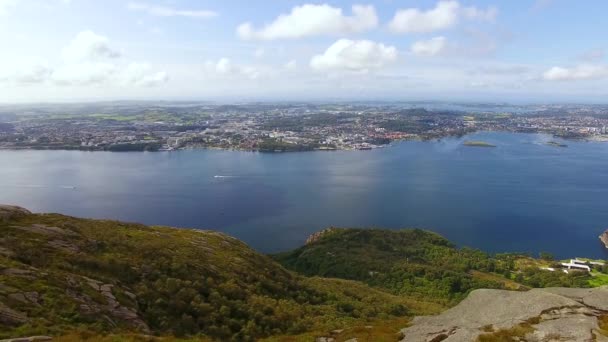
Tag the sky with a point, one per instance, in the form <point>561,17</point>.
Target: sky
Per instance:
<point>285,50</point>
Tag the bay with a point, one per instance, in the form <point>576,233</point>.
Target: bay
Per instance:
<point>521,196</point>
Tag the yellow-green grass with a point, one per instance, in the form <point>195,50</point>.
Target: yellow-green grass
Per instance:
<point>373,331</point>
<point>598,279</point>
<point>515,333</point>
<point>508,284</point>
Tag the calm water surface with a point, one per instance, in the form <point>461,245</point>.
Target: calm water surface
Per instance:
<point>520,196</point>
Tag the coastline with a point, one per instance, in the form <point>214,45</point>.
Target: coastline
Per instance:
<point>591,139</point>
<point>604,238</point>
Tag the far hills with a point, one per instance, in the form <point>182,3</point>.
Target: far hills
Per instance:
<point>98,280</point>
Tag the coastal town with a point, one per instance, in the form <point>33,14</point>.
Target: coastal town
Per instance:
<point>279,127</point>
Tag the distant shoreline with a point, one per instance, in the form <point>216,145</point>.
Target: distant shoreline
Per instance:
<point>472,143</point>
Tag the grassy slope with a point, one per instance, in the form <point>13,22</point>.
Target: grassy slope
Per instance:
<point>169,282</point>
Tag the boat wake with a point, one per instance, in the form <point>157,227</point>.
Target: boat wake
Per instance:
<point>38,186</point>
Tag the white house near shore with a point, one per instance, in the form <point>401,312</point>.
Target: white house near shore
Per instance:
<point>576,264</point>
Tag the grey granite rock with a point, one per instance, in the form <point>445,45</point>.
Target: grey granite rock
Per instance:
<point>552,314</point>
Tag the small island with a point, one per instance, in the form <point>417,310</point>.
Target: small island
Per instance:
<point>478,144</point>
<point>556,144</point>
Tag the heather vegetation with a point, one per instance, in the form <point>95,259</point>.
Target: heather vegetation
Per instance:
<point>92,279</point>
<point>60,274</point>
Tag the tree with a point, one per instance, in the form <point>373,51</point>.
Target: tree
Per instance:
<point>546,256</point>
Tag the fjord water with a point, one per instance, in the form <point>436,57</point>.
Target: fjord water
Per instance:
<point>523,195</point>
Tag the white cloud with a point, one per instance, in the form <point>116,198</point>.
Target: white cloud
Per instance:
<point>88,60</point>
<point>99,73</point>
<point>488,14</point>
<point>479,84</point>
<point>444,15</point>
<point>312,20</point>
<point>7,5</point>
<point>27,71</point>
<point>500,70</point>
<point>259,53</point>
<point>225,68</point>
<point>156,30</point>
<point>580,72</point>
<point>140,75</point>
<point>354,55</point>
<point>163,11</point>
<point>431,47</point>
<point>540,5</point>
<point>593,55</point>
<point>291,65</point>
<point>89,46</point>
<point>84,74</point>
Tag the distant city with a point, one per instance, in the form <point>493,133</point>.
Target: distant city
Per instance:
<point>268,127</point>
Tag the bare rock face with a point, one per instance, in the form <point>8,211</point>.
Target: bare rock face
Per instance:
<point>604,238</point>
<point>10,212</point>
<point>29,339</point>
<point>9,316</point>
<point>113,306</point>
<point>553,314</point>
<point>314,237</point>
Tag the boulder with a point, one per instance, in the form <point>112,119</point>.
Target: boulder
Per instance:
<point>604,238</point>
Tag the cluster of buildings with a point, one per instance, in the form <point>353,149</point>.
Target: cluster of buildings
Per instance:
<point>576,265</point>
<point>276,127</point>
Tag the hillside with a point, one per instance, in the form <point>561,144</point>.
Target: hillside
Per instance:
<point>418,263</point>
<point>101,280</point>
<point>61,275</point>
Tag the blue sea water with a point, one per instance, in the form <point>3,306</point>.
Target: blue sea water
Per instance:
<point>521,196</point>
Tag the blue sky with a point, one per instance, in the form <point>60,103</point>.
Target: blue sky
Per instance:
<point>80,50</point>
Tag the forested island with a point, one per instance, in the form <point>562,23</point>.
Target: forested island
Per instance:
<point>556,144</point>
<point>478,144</point>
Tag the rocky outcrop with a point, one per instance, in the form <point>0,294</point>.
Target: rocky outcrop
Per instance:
<point>11,212</point>
<point>29,339</point>
<point>9,316</point>
<point>45,230</point>
<point>314,237</point>
<point>604,238</point>
<point>113,306</point>
<point>28,298</point>
<point>553,314</point>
